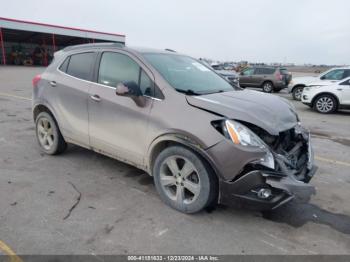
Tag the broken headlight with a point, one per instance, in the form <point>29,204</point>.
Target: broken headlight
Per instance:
<point>242,135</point>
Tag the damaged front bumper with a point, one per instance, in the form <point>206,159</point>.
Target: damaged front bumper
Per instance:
<point>262,188</point>
<point>246,191</point>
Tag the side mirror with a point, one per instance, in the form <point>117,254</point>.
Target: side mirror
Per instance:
<point>132,90</point>
<point>128,89</point>
<point>323,78</point>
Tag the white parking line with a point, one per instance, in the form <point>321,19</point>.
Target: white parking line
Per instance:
<point>14,96</point>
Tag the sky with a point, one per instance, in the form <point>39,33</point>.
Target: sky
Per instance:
<point>292,31</point>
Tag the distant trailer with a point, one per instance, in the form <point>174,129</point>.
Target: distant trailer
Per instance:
<point>32,43</point>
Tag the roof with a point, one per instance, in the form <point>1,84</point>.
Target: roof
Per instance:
<point>59,30</point>
<point>109,45</point>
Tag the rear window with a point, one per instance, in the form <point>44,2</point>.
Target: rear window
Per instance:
<point>80,65</point>
<point>284,71</point>
<point>64,65</point>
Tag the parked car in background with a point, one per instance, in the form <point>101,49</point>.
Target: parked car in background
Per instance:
<point>203,140</point>
<point>297,85</point>
<point>230,76</point>
<point>327,99</point>
<point>268,78</point>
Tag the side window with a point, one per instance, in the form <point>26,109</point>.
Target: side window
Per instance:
<point>334,75</point>
<point>116,68</point>
<point>345,83</point>
<point>259,71</point>
<point>64,65</point>
<point>346,73</point>
<point>80,65</point>
<point>248,72</point>
<point>146,84</point>
<point>270,71</point>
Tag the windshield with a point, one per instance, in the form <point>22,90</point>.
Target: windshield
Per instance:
<point>187,75</point>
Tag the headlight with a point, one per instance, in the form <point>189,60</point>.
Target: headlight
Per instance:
<point>241,135</point>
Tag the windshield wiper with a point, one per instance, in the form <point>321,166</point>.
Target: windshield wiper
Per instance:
<point>188,92</point>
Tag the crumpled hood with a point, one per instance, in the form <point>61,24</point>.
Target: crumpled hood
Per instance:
<point>269,112</point>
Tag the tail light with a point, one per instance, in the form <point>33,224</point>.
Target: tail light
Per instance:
<point>279,76</point>
<point>36,80</point>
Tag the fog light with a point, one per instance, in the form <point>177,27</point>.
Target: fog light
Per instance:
<point>264,193</point>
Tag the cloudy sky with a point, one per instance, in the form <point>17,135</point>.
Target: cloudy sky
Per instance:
<point>299,31</point>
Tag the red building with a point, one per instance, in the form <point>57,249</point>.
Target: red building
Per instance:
<point>32,43</point>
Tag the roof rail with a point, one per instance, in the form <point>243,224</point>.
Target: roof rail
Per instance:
<point>105,44</point>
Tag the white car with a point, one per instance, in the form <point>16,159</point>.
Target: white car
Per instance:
<point>334,75</point>
<point>327,98</point>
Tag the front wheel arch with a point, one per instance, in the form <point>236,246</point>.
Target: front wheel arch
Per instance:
<point>170,140</point>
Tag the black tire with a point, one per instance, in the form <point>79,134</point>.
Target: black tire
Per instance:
<point>296,93</point>
<point>207,182</point>
<point>325,104</point>
<point>58,144</point>
<point>267,87</point>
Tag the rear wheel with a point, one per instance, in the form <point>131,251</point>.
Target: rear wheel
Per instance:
<point>325,104</point>
<point>267,87</point>
<point>48,134</point>
<point>183,180</point>
<point>297,91</point>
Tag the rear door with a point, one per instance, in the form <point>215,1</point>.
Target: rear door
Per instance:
<point>117,125</point>
<point>70,84</point>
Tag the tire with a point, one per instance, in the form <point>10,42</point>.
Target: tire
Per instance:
<point>183,180</point>
<point>267,87</point>
<point>48,134</point>
<point>296,93</point>
<point>325,104</point>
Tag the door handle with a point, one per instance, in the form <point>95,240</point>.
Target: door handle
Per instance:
<point>96,98</point>
<point>53,83</point>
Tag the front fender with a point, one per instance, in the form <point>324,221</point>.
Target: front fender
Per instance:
<point>177,138</point>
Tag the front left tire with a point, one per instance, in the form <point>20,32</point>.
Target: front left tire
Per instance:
<point>184,180</point>
<point>325,104</point>
<point>48,134</point>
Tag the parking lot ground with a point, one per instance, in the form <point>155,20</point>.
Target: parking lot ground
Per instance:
<point>118,210</point>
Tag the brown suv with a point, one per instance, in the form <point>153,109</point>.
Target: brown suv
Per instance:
<point>268,78</point>
<point>203,140</point>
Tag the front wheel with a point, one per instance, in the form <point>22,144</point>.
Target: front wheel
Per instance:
<point>325,104</point>
<point>183,180</point>
<point>297,91</point>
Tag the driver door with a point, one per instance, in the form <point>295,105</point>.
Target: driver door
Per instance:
<point>117,125</point>
<point>246,77</point>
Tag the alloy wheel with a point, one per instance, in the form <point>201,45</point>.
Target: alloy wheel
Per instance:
<point>324,104</point>
<point>180,180</point>
<point>45,133</point>
<point>267,87</point>
<point>297,93</point>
